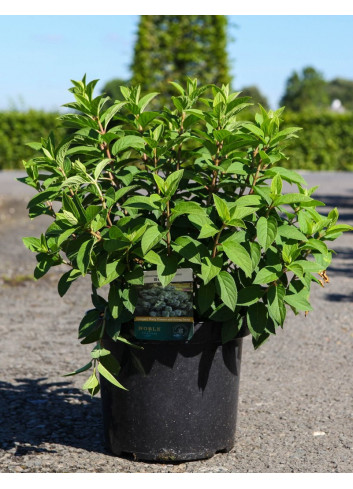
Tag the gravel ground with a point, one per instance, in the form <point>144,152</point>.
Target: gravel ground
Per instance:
<point>295,406</point>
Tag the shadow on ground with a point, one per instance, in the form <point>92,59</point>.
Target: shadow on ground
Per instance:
<point>344,204</point>
<point>34,412</point>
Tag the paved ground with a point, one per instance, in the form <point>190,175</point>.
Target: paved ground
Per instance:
<point>295,408</point>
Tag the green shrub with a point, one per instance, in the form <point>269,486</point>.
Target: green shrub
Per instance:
<point>19,128</point>
<point>145,191</point>
<point>325,143</point>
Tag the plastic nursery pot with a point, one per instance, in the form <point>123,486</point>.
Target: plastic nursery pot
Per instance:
<point>184,407</point>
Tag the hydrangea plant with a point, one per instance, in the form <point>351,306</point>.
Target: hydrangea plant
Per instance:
<point>191,185</point>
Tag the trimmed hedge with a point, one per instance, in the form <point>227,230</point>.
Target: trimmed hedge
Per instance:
<point>326,142</point>
<point>19,128</point>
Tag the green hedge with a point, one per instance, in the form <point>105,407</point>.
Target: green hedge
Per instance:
<point>18,128</point>
<point>326,142</point>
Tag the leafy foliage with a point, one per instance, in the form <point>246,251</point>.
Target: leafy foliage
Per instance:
<point>306,91</point>
<point>19,128</point>
<point>139,190</point>
<point>169,47</point>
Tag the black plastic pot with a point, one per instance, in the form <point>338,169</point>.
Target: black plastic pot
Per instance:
<point>184,407</point>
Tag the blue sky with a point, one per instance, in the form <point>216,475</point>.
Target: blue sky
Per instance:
<point>40,54</point>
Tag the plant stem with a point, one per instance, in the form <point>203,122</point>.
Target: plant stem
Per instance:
<point>216,241</point>
<point>168,227</point>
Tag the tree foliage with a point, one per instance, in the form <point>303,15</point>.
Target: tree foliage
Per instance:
<point>172,47</point>
<point>305,91</point>
<point>341,89</point>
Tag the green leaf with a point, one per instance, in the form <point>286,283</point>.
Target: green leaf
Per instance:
<point>98,352</point>
<point>92,384</point>
<point>205,296</point>
<point>82,369</point>
<point>298,300</point>
<point>291,232</point>
<point>160,183</point>
<point>135,276</point>
<point>255,130</point>
<point>267,275</point>
<point>288,175</point>
<point>100,167</point>
<point>125,142</point>
<point>153,257</point>
<point>187,207</point>
<point>111,112</point>
<point>129,297</point>
<point>249,295</point>
<point>115,302</point>
<point>69,206</point>
<point>46,195</point>
<point>35,146</point>
<point>141,202</point>
<point>309,266</point>
<point>66,281</point>
<point>33,244</point>
<point>276,307</point>
<point>285,134</point>
<point>266,229</point>
<point>107,272</point>
<point>238,212</point>
<point>276,185</point>
<point>210,267</point>
<point>89,323</point>
<point>190,249</point>
<point>292,199</point>
<point>231,328</point>
<point>172,182</point>
<point>67,216</point>
<point>122,191</point>
<point>178,87</point>
<point>255,253</point>
<point>75,180</point>
<point>238,255</point>
<point>167,269</point>
<point>257,319</point>
<point>297,269</point>
<point>147,117</point>
<point>107,375</point>
<point>315,244</point>
<point>92,211</point>
<point>144,101</point>
<point>84,256</point>
<point>226,289</point>
<point>152,236</point>
<point>334,231</point>
<point>222,208</point>
<point>110,363</point>
<point>248,200</point>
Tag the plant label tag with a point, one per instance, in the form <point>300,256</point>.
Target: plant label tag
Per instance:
<point>165,313</point>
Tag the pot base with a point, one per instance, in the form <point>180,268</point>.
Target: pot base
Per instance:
<point>183,408</point>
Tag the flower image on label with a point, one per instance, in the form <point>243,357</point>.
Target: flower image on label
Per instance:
<point>165,313</point>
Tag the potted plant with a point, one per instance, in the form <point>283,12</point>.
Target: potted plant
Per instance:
<point>187,189</point>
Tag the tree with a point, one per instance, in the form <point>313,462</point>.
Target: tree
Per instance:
<point>171,47</point>
<point>306,91</point>
<point>257,97</point>
<point>341,89</point>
